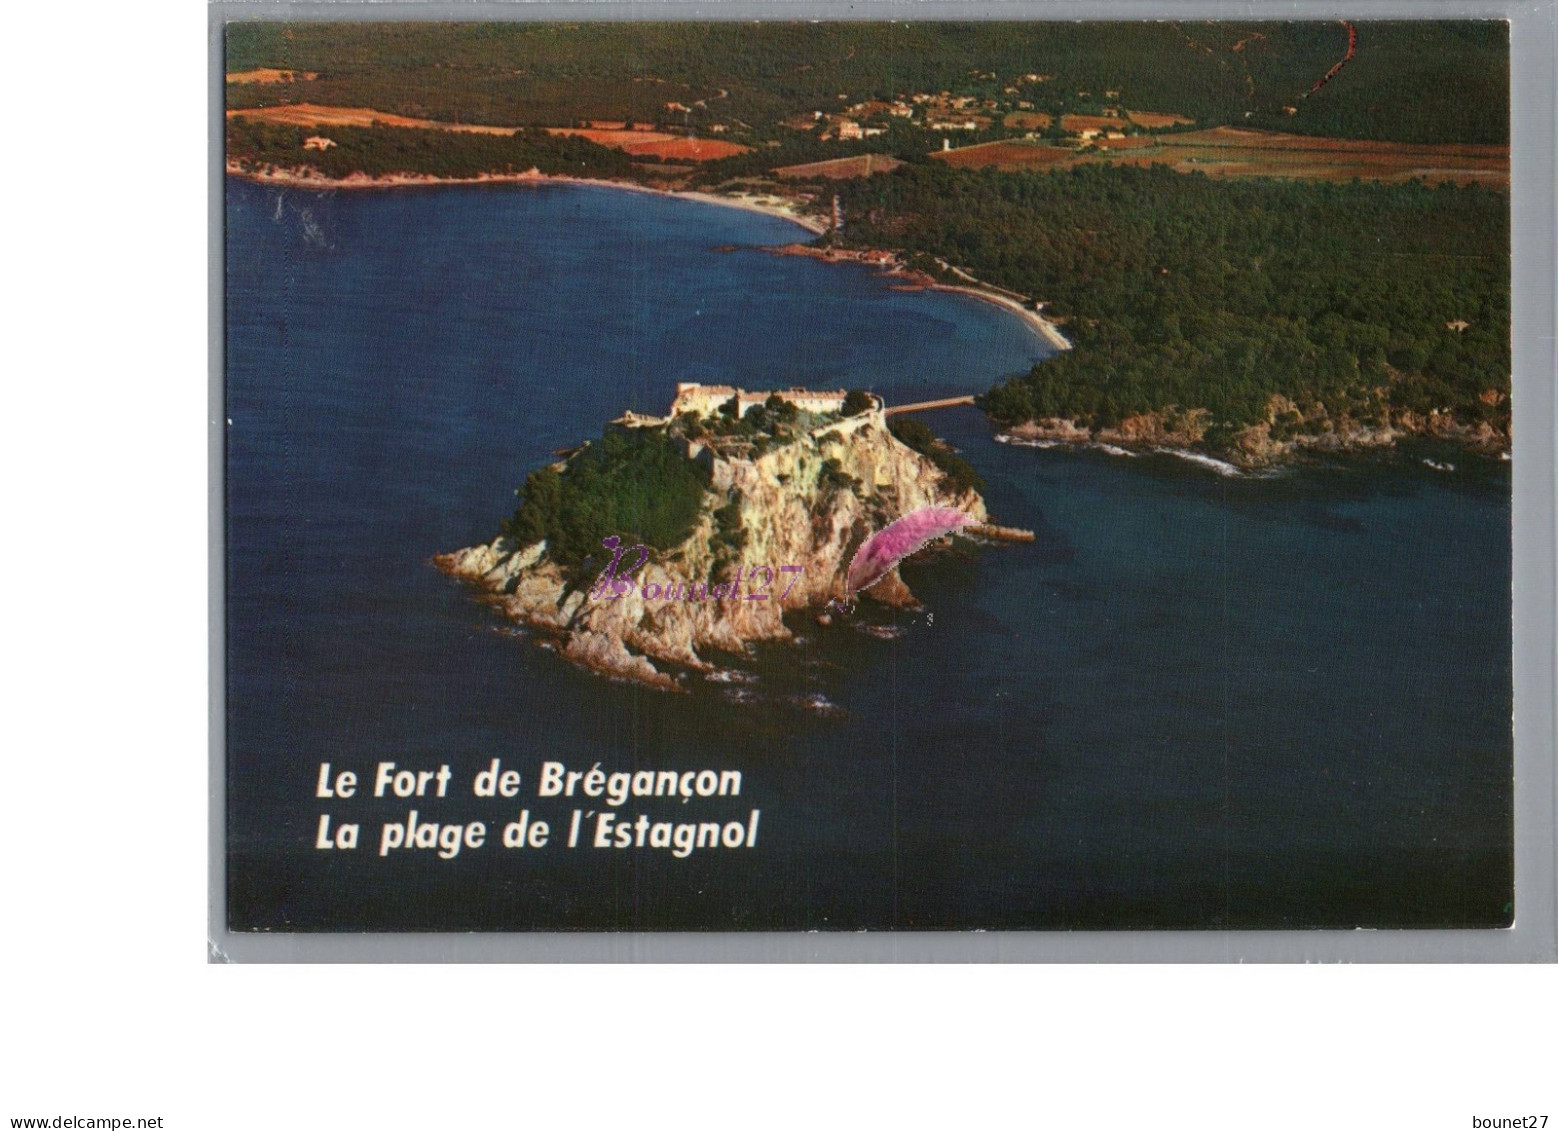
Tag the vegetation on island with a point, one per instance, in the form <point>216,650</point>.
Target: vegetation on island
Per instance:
<point>636,483</point>
<point>956,471</point>
<point>857,401</point>
<point>641,482</point>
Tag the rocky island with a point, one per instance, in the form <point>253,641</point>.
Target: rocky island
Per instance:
<point>727,481</point>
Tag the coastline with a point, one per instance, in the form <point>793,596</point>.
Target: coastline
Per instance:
<point>747,204</point>
<point>915,280</point>
<point>1142,434</point>
<point>1255,451</point>
<point>1047,329</point>
<point>295,178</point>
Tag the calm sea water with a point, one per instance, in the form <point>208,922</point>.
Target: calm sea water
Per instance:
<point>1194,702</point>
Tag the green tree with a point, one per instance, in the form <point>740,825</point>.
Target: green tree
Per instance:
<point>857,401</point>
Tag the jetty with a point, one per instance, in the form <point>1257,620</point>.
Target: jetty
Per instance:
<point>999,533</point>
<point>925,406</point>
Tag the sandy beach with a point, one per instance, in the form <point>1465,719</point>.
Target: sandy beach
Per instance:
<point>305,178</point>
<point>783,211</point>
<point>1043,325</point>
<point>915,280</point>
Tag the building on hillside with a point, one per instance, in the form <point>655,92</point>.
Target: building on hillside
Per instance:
<point>870,109</point>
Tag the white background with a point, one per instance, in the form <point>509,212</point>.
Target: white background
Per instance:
<point>109,1007</point>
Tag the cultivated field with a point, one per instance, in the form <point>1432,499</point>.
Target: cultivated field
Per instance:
<point>1133,141</point>
<point>613,137</point>
<point>1228,152</point>
<point>1007,156</point>
<point>637,143</point>
<point>317,117</point>
<point>1232,137</point>
<point>270,75</point>
<point>679,148</point>
<point>1026,120</point>
<point>1152,120</point>
<point>841,168</point>
<point>1076,123</point>
<point>648,143</point>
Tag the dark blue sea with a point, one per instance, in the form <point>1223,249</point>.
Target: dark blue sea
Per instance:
<point>1195,701</point>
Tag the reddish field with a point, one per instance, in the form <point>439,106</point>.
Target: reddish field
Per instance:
<point>308,114</point>
<point>1152,120</point>
<point>1135,141</point>
<point>269,75</point>
<point>1076,123</point>
<point>615,138</point>
<point>841,168</point>
<point>637,142</point>
<point>1026,120</point>
<point>646,143</point>
<point>685,149</point>
<point>1035,120</point>
<point>1005,155</point>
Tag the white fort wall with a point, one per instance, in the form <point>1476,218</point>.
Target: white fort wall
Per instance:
<point>706,399</point>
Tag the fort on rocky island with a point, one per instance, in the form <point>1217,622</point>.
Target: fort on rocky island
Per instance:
<point>794,484</point>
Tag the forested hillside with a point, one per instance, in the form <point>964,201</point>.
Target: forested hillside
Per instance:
<point>1179,291</point>
<point>1251,301</point>
<point>384,150</point>
<point>1421,82</point>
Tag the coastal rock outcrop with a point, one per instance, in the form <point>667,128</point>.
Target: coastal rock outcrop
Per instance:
<point>1288,432</point>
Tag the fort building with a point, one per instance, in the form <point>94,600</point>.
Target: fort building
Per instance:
<point>707,399</point>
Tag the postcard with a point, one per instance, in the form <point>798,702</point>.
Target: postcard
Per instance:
<point>836,477</point>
